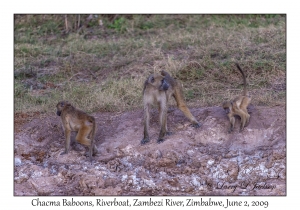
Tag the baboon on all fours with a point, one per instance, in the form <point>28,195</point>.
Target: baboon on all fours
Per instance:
<point>76,120</point>
<point>159,88</point>
<point>238,106</point>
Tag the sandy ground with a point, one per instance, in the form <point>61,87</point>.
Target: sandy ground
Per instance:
<point>202,161</point>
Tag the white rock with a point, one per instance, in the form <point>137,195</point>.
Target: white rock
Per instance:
<point>18,161</point>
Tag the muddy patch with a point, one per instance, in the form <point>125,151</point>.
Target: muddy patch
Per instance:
<point>203,161</point>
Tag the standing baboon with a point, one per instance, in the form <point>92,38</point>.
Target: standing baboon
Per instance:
<point>159,88</point>
<point>76,120</point>
<point>238,106</point>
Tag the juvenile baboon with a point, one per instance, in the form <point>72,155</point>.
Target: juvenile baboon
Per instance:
<point>159,88</point>
<point>76,120</point>
<point>238,106</point>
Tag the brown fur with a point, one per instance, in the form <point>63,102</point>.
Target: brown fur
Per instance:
<point>238,106</point>
<point>159,88</point>
<point>76,120</point>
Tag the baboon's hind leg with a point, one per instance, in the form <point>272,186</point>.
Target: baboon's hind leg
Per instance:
<point>81,137</point>
<point>243,116</point>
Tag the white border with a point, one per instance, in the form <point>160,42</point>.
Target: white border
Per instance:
<point>154,6</point>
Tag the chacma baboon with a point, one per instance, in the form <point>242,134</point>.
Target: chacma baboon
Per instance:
<point>238,106</point>
<point>159,88</point>
<point>76,120</point>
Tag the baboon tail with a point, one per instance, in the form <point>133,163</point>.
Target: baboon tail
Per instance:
<point>181,104</point>
<point>244,79</point>
<point>178,95</point>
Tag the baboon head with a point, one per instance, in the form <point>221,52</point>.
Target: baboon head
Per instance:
<point>60,106</point>
<point>158,81</point>
<point>226,106</point>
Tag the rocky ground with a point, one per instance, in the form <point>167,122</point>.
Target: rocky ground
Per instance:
<point>203,161</point>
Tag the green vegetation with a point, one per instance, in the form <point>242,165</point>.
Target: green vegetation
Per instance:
<point>102,65</point>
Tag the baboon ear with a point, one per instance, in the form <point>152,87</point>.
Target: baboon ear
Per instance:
<point>64,103</point>
<point>67,103</point>
<point>151,79</point>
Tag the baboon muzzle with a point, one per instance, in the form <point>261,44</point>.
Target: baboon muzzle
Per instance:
<point>164,85</point>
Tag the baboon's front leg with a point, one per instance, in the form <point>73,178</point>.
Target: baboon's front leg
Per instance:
<point>146,124</point>
<point>67,141</point>
<point>232,122</point>
<point>162,120</point>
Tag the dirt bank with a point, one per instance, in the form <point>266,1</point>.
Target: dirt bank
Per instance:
<point>203,161</point>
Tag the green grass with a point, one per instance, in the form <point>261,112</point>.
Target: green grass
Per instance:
<point>103,67</point>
